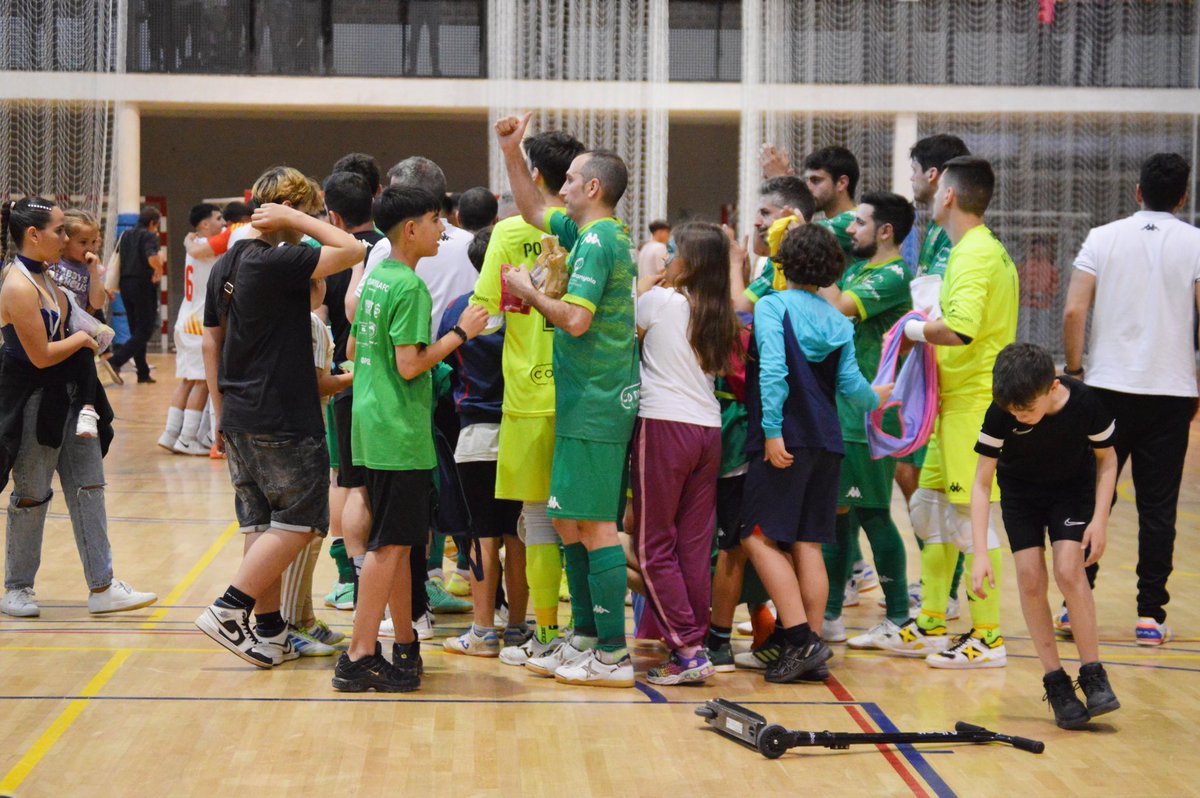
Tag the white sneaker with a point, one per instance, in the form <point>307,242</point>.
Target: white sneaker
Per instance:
<point>592,671</point>
<point>868,580</point>
<point>745,628</point>
<point>970,652</point>
<point>279,648</point>
<point>473,645</point>
<point>306,645</point>
<point>850,596</point>
<point>231,629</point>
<point>530,649</point>
<point>20,603</point>
<point>193,448</point>
<point>118,598</point>
<point>834,630</point>
<point>500,619</point>
<point>87,425</point>
<point>423,626</point>
<point>913,641</point>
<point>881,636</point>
<point>548,664</point>
<point>167,441</point>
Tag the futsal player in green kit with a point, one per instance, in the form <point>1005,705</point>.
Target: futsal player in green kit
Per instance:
<point>873,293</point>
<point>596,376</point>
<point>527,424</point>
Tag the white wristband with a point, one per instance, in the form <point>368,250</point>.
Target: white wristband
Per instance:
<point>914,330</point>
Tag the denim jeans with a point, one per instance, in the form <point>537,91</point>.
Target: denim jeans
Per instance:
<point>81,472</point>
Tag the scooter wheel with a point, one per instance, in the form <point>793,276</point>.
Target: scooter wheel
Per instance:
<point>770,741</point>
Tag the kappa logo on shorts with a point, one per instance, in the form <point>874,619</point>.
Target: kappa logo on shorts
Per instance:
<point>854,493</point>
<point>552,504</point>
<point>542,374</point>
<point>955,487</point>
<point>598,610</point>
<point>629,396</point>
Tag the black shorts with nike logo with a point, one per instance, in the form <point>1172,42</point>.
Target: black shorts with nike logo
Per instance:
<point>1031,510</point>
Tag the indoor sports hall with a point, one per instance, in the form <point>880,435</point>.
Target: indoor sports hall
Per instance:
<point>114,106</point>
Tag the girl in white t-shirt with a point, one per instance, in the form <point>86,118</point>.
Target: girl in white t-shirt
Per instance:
<point>689,334</point>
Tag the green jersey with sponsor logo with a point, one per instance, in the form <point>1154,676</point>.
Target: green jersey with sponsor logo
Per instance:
<point>935,251</point>
<point>596,375</point>
<point>881,296</point>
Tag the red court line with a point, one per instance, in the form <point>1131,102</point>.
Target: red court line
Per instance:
<point>842,694</point>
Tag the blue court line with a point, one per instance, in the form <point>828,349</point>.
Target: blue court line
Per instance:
<point>654,696</point>
<point>914,757</point>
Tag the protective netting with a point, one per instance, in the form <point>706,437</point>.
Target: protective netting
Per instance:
<point>55,148</point>
<point>1058,176</point>
<point>586,40</point>
<point>980,42</point>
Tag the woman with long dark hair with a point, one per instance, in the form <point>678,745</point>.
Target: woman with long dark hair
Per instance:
<point>41,369</point>
<point>689,335</point>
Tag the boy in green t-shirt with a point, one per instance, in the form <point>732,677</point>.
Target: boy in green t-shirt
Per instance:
<point>392,434</point>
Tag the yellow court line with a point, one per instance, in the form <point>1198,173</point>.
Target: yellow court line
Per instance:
<point>150,649</point>
<point>63,722</point>
<point>191,576</point>
<point>18,774</point>
<point>1124,491</point>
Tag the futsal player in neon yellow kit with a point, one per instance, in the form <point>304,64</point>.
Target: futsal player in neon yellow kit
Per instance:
<point>527,425</point>
<point>979,300</point>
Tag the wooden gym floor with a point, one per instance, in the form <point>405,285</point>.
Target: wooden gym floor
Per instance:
<point>141,704</point>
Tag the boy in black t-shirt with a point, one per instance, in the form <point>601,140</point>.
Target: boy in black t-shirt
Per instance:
<point>1049,442</point>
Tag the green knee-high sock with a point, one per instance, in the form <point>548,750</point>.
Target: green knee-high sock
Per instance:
<point>543,571</point>
<point>937,567</point>
<point>576,561</point>
<point>854,553</point>
<point>345,568</point>
<point>437,552</point>
<point>985,612</point>
<point>839,562</point>
<point>608,584</point>
<point>890,561</point>
<point>958,572</point>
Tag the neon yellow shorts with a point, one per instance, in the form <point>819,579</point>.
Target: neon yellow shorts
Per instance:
<point>950,458</point>
<point>525,459</point>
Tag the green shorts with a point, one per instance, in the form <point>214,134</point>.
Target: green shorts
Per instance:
<point>526,452</point>
<point>331,436</point>
<point>865,482</point>
<point>917,458</point>
<point>587,480</point>
<point>951,459</point>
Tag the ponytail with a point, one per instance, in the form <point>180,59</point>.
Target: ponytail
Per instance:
<point>17,216</point>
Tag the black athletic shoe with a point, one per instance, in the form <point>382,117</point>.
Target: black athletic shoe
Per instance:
<point>795,661</point>
<point>817,674</point>
<point>371,673</point>
<point>1094,683</point>
<point>407,658</point>
<point>1069,711</point>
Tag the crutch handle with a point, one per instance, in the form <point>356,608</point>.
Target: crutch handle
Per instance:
<point>1025,744</point>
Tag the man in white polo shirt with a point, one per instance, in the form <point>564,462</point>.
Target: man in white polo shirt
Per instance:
<point>1143,275</point>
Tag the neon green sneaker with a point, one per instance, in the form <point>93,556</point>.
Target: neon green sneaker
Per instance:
<point>457,585</point>
<point>441,601</point>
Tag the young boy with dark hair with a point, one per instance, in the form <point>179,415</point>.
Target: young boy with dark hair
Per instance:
<point>805,356</point>
<point>1049,441</point>
<point>392,434</point>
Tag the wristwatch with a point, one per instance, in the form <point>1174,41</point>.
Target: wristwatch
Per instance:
<point>460,333</point>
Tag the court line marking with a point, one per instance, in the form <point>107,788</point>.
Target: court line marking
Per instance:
<point>19,772</point>
<point>840,692</point>
<point>17,775</point>
<point>378,699</point>
<point>192,575</point>
<point>914,758</point>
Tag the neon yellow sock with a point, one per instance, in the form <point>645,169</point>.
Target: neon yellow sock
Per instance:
<point>937,569</point>
<point>543,570</point>
<point>985,612</point>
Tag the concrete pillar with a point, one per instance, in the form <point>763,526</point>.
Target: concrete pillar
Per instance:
<point>902,142</point>
<point>127,148</point>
